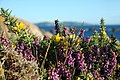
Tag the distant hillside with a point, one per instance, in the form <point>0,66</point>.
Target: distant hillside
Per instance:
<point>65,23</point>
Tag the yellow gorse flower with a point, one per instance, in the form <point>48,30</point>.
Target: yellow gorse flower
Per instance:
<point>89,76</point>
<point>79,78</point>
<point>104,34</point>
<point>18,27</point>
<point>66,45</point>
<point>72,36</point>
<point>21,25</point>
<point>63,38</point>
<point>14,46</point>
<point>15,28</point>
<point>118,66</point>
<point>57,38</point>
<point>77,41</point>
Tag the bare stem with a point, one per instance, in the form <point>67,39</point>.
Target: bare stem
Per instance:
<point>42,66</point>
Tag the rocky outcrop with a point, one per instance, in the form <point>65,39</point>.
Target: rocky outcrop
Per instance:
<point>33,28</point>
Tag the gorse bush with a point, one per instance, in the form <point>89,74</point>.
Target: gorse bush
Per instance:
<point>65,56</point>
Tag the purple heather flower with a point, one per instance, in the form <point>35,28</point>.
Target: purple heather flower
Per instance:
<point>36,41</point>
<point>66,31</point>
<point>53,74</point>
<point>68,74</point>
<point>45,37</point>
<point>81,62</point>
<point>28,55</point>
<point>96,49</point>
<point>71,61</point>
<point>20,47</point>
<point>60,70</point>
<point>88,40</point>
<point>24,51</point>
<point>90,66</point>
<point>81,33</point>
<point>5,42</point>
<point>97,76</point>
<point>108,61</point>
<point>57,26</point>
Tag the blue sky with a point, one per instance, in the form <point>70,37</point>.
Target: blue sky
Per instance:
<point>89,11</point>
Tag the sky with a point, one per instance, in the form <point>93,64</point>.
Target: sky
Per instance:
<point>90,11</point>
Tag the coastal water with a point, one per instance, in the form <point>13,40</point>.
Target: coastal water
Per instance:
<point>110,29</point>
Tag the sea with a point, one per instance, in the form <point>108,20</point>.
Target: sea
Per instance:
<point>89,29</point>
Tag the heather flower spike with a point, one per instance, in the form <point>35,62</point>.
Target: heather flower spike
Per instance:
<point>81,33</point>
<point>57,29</point>
<point>88,40</point>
